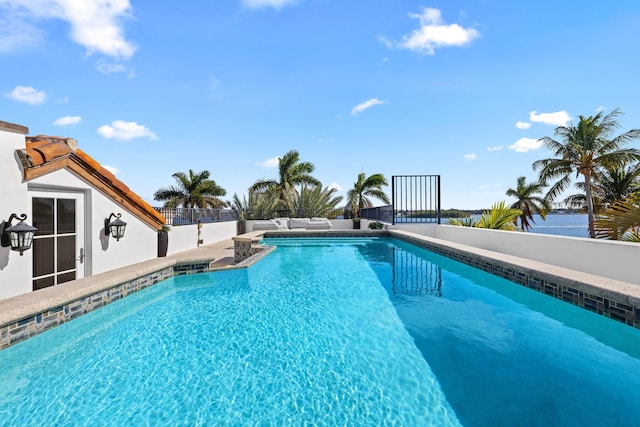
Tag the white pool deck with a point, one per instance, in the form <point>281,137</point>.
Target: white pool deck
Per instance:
<point>220,255</point>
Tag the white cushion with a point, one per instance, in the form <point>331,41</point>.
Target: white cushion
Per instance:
<point>298,222</point>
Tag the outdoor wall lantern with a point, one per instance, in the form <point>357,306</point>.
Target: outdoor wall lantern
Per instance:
<point>19,236</point>
<point>115,227</point>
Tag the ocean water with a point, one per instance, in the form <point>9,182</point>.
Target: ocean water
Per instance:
<point>573,225</point>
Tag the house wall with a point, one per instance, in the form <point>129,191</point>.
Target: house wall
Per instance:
<point>102,253</point>
<point>15,270</point>
<point>612,259</point>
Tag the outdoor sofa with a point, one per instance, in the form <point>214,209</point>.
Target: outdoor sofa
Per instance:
<point>293,224</point>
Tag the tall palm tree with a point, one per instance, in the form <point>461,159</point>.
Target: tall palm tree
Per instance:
<point>195,190</point>
<point>291,172</point>
<point>583,149</point>
<point>528,202</point>
<point>618,182</point>
<point>614,183</point>
<point>364,189</point>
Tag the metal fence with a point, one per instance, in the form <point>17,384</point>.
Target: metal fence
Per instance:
<point>186,216</point>
<point>379,213</point>
<point>416,198</point>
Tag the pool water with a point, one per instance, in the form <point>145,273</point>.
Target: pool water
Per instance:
<point>329,332</point>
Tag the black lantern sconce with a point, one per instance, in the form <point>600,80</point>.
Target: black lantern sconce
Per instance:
<point>115,227</point>
<point>19,236</point>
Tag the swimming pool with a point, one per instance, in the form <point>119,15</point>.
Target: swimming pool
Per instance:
<point>346,331</point>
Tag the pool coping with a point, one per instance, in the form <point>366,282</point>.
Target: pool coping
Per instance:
<point>29,314</point>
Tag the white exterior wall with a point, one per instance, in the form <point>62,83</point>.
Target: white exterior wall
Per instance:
<point>15,270</point>
<point>185,237</point>
<point>612,259</point>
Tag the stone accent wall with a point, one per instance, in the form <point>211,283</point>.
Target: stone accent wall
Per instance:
<point>243,249</point>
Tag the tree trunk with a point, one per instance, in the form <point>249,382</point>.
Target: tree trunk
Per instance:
<point>590,214</point>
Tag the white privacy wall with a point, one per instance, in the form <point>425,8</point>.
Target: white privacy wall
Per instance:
<point>611,259</point>
<point>185,237</point>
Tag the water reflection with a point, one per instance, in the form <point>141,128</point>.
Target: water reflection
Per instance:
<point>407,273</point>
<point>412,275</point>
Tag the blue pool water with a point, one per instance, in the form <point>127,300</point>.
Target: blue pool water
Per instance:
<point>361,332</point>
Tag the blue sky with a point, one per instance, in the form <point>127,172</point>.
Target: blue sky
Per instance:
<point>458,88</point>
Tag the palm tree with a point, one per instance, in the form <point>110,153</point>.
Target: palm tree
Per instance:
<point>614,183</point>
<point>318,201</point>
<point>499,217</point>
<point>583,150</point>
<point>618,183</point>
<point>363,189</point>
<point>528,202</point>
<point>291,172</point>
<point>195,190</point>
<point>620,221</point>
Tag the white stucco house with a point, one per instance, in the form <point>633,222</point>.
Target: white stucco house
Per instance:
<point>67,195</point>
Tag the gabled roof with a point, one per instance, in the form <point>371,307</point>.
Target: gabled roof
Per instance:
<point>44,154</point>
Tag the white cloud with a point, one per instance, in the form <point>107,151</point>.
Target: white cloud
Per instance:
<point>470,156</point>
<point>27,94</point>
<point>270,163</point>
<point>433,33</point>
<point>125,131</point>
<point>559,118</point>
<point>524,145</point>
<point>523,125</point>
<point>336,186</point>
<point>495,148</point>
<point>111,169</point>
<point>366,104</point>
<point>276,4</point>
<point>67,120</point>
<point>95,24</point>
<point>111,68</point>
<point>15,31</point>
